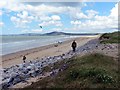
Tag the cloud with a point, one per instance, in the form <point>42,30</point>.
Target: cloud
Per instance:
<point>17,22</point>
<point>42,18</point>
<point>47,18</point>
<point>58,4</point>
<point>1,24</point>
<point>1,12</point>
<point>76,22</point>
<point>91,14</point>
<point>55,17</point>
<point>51,23</point>
<point>26,13</point>
<point>53,20</point>
<point>32,31</point>
<point>114,11</point>
<point>40,13</point>
<point>41,8</point>
<point>12,5</point>
<point>80,15</point>
<point>96,23</point>
<point>24,16</point>
<point>47,14</point>
<point>2,3</point>
<point>21,19</point>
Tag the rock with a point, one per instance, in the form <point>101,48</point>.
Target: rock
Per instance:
<point>22,72</point>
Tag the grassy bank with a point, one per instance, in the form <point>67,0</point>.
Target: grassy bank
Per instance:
<point>89,71</point>
<point>110,37</point>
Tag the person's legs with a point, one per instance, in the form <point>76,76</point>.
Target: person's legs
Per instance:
<point>73,49</point>
<point>23,61</point>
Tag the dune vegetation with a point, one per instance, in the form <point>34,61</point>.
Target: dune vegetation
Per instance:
<point>89,71</point>
<point>110,37</point>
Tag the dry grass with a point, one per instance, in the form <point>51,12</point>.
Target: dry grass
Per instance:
<point>89,71</point>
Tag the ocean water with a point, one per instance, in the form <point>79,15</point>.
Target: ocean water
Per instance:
<point>11,44</point>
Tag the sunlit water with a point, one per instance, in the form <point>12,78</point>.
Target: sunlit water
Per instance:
<point>11,44</point>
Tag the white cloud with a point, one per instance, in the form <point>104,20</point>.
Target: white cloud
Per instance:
<point>97,23</point>
<point>80,15</point>
<point>12,5</point>
<point>51,23</point>
<point>1,12</point>
<point>23,15</point>
<point>54,20</point>
<point>37,10</point>
<point>18,22</point>
<point>14,19</point>
<point>1,24</point>
<point>76,22</point>
<point>42,18</point>
<point>21,19</point>
<point>114,11</point>
<point>41,14</point>
<point>32,31</point>
<point>45,20</point>
<point>2,3</point>
<point>55,17</point>
<point>91,14</point>
<point>26,13</point>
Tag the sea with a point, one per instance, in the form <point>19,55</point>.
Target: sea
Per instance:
<point>12,44</point>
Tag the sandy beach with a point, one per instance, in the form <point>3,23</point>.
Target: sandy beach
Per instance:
<point>24,74</point>
<point>41,52</point>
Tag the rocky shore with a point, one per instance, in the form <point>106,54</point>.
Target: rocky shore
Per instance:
<point>21,75</point>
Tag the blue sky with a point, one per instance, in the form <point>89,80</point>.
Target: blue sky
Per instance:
<point>82,17</point>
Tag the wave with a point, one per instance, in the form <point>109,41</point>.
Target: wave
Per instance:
<point>12,47</point>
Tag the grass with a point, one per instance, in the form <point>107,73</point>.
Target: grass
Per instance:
<point>90,71</point>
<point>110,37</point>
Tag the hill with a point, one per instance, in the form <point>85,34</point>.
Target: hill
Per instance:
<point>51,34</point>
<point>63,33</point>
<point>110,37</point>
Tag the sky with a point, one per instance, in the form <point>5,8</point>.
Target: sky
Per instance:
<point>73,17</point>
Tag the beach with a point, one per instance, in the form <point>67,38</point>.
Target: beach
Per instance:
<point>17,74</point>
<point>43,51</point>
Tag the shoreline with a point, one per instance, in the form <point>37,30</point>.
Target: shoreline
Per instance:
<point>43,51</point>
<point>90,47</point>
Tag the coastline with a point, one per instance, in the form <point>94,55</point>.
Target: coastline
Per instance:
<point>90,46</point>
<point>43,51</point>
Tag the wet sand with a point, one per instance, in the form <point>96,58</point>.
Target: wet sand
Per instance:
<point>44,51</point>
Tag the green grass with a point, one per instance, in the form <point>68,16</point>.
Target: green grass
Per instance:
<point>89,71</point>
<point>112,37</point>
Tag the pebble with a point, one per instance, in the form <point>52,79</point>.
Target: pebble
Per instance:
<point>20,72</point>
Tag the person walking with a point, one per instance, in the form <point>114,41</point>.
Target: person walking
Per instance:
<point>74,45</point>
<point>24,58</point>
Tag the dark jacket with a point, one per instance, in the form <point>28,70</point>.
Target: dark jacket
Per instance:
<point>74,44</point>
<point>24,58</point>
